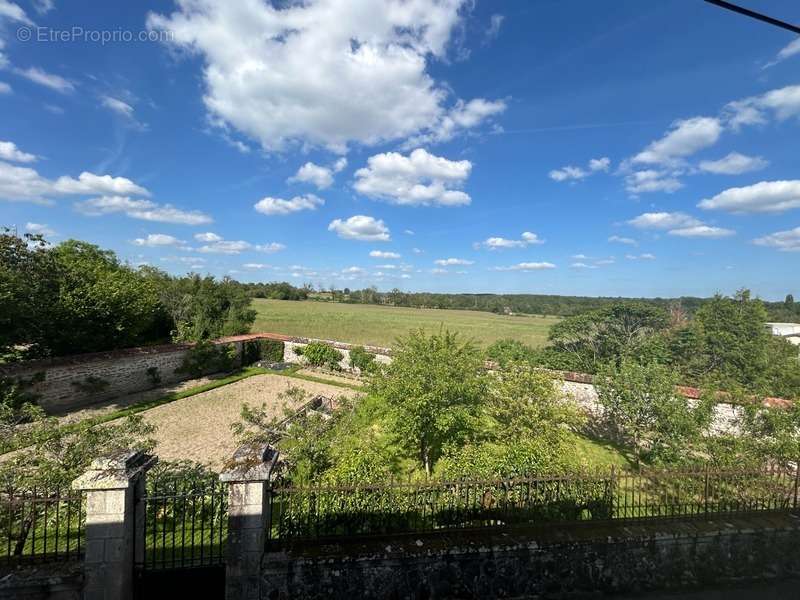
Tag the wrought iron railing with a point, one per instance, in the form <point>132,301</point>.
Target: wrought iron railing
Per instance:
<point>184,526</point>
<point>41,526</point>
<point>309,513</point>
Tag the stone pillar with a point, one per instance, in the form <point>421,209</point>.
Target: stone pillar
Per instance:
<point>249,482</point>
<point>110,485</point>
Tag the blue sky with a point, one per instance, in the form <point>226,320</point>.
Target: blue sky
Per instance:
<point>620,148</point>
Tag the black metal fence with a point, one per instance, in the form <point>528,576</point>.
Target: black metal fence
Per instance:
<point>41,526</point>
<point>308,513</point>
<point>184,525</point>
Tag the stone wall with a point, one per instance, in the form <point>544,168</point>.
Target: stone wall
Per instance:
<point>55,581</point>
<point>125,372</point>
<point>566,562</point>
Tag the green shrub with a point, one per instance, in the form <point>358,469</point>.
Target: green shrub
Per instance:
<point>266,350</point>
<point>91,385</point>
<point>361,359</point>
<point>206,357</point>
<point>320,354</point>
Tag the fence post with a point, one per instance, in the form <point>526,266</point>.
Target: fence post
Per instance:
<point>110,485</point>
<point>249,478</point>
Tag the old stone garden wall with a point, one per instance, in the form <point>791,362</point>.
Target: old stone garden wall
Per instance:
<point>557,562</point>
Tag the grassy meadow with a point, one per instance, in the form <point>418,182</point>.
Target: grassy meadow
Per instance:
<point>381,325</point>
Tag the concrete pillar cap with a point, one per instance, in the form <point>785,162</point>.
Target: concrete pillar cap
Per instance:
<point>115,472</point>
<point>251,462</point>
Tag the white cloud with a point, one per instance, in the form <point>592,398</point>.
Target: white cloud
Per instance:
<point>418,179</point>
<point>43,6</point>
<point>685,137</point>
<point>734,164</point>
<point>408,232</point>
<point>785,241</point>
<point>4,87</point>
<point>527,266</point>
<point>679,224</point>
<point>450,262</point>
<point>622,240</point>
<point>361,227</point>
<point>255,266</point>
<point>319,73</point>
<point>278,206</point>
<point>495,23</point>
<point>762,197</point>
<point>208,236</point>
<point>573,173</point>
<point>384,255</point>
<point>581,265</point>
<point>704,231</point>
<point>354,271</point>
<point>645,256</point>
<point>118,106</point>
<point>39,229</point>
<point>12,12</point>
<point>321,177</point>
<point>155,240</point>
<point>498,243</point>
<point>89,183</point>
<point>463,116</point>
<point>651,180</point>
<point>144,210</point>
<point>10,152</point>
<point>48,80</point>
<point>788,51</point>
<point>783,103</point>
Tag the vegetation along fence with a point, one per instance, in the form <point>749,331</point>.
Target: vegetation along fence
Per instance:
<point>41,526</point>
<point>308,513</point>
<point>185,525</point>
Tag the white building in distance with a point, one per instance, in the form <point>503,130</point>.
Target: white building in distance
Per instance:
<point>790,331</point>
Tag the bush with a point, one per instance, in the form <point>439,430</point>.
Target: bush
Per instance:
<point>361,359</point>
<point>266,350</point>
<point>91,385</point>
<point>206,357</point>
<point>154,376</point>
<point>319,354</point>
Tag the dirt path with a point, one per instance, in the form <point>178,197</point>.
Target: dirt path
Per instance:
<point>198,428</point>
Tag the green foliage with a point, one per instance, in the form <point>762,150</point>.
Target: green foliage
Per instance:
<point>431,393</point>
<point>203,308</point>
<point>320,354</point>
<point>17,408</point>
<point>619,331</point>
<point>266,350</point>
<point>644,412</point>
<point>153,376</point>
<point>91,385</point>
<point>506,351</point>
<point>207,357</point>
<point>361,359</point>
<point>185,475</point>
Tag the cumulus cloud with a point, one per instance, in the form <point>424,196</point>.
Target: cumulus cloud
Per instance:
<point>679,224</point>
<point>39,229</point>
<point>733,164</point>
<point>216,244</point>
<point>451,262</point>
<point>684,138</point>
<point>651,180</point>
<point>782,103</point>
<point>616,239</point>
<point>785,241</point>
<point>10,152</point>
<point>762,197</point>
<point>573,173</point>
<point>144,210</point>
<point>361,227</point>
<point>277,206</point>
<point>499,243</point>
<point>48,80</point>
<point>319,73</point>
<point>527,266</point>
<point>384,255</point>
<point>155,240</point>
<point>462,117</point>
<point>645,256</point>
<point>417,179</point>
<point>321,177</point>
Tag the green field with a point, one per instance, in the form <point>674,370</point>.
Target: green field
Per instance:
<point>381,325</point>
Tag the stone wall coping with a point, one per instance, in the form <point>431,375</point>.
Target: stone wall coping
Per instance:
<point>250,463</point>
<point>117,472</point>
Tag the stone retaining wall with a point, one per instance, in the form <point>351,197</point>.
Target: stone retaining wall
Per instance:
<point>562,562</point>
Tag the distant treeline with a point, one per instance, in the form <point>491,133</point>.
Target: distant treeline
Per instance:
<point>539,304</point>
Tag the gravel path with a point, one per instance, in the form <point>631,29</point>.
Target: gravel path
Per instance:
<point>198,428</point>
